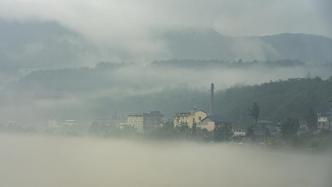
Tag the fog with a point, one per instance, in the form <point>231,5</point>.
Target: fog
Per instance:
<point>90,93</point>
<point>39,161</point>
<point>80,61</point>
<point>132,26</point>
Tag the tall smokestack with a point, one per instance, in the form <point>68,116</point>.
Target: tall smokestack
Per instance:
<point>212,100</point>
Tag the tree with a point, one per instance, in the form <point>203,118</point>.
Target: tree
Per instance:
<point>168,125</point>
<point>222,132</point>
<point>194,128</point>
<point>311,119</point>
<point>254,112</point>
<point>289,128</point>
<point>250,132</point>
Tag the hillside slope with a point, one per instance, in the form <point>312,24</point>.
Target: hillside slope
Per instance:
<point>209,44</point>
<point>278,100</point>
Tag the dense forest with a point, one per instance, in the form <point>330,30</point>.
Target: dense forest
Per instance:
<point>278,100</point>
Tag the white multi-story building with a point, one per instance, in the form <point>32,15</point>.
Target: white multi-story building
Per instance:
<point>136,121</point>
<point>143,121</point>
<point>324,122</point>
<point>190,118</point>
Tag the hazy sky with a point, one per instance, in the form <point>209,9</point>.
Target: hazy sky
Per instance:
<point>132,29</point>
<point>133,22</point>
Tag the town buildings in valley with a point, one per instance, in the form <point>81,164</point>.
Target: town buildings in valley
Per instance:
<point>212,122</point>
<point>143,121</point>
<point>189,118</point>
<point>201,119</point>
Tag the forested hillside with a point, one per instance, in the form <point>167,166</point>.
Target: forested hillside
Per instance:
<point>278,100</point>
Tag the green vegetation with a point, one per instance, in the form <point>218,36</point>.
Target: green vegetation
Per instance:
<point>293,98</point>
<point>289,128</point>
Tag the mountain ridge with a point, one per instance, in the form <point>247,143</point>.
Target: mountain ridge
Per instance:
<point>52,44</point>
<point>209,44</point>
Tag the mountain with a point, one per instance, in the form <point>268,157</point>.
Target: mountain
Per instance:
<point>209,44</point>
<point>50,45</point>
<point>278,100</point>
<point>32,45</point>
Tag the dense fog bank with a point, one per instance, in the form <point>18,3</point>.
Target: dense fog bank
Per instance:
<point>39,161</point>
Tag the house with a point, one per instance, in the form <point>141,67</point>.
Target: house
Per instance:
<point>190,118</point>
<point>212,122</point>
<point>239,132</point>
<point>324,121</point>
<point>142,121</point>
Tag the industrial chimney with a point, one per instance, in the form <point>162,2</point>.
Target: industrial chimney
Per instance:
<point>211,111</point>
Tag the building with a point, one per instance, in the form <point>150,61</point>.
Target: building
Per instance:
<point>142,121</point>
<point>189,119</point>
<point>195,117</point>
<point>136,121</point>
<point>239,132</point>
<point>324,121</point>
<point>212,122</point>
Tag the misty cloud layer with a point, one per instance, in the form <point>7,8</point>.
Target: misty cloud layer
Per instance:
<point>133,25</point>
<point>90,93</point>
<point>81,162</point>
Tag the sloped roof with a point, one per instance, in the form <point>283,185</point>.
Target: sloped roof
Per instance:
<point>215,118</point>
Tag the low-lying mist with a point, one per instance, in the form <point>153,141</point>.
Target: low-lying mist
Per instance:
<point>89,93</point>
<point>40,161</point>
